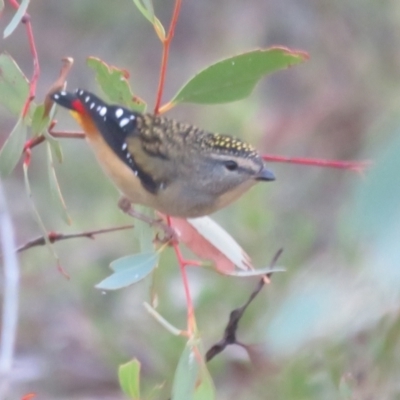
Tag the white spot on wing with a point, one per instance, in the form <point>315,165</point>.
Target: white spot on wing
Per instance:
<point>103,111</point>
<point>80,92</point>
<point>123,122</point>
<point>92,105</point>
<point>56,96</point>
<point>132,117</point>
<point>119,112</point>
<point>124,146</point>
<point>87,98</point>
<point>63,93</point>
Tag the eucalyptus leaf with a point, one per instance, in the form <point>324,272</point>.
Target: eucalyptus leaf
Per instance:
<point>186,374</point>
<point>221,239</point>
<point>162,321</point>
<point>206,389</point>
<point>147,9</point>
<point>14,86</point>
<point>56,195</point>
<point>39,122</point>
<point>36,215</point>
<point>133,261</point>
<point>129,270</point>
<point>12,149</point>
<point>114,83</point>
<point>129,379</point>
<point>235,78</point>
<point>255,272</point>
<point>16,19</point>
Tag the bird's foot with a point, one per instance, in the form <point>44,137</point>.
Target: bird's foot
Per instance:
<point>170,235</point>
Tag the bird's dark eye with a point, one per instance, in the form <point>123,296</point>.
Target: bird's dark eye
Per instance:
<point>231,165</point>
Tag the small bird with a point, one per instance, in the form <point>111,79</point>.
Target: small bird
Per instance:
<point>173,167</point>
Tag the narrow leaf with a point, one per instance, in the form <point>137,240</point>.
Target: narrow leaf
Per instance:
<point>147,10</point>
<point>54,143</point>
<point>16,19</point>
<point>206,389</point>
<point>133,261</point>
<point>14,86</point>
<point>129,270</point>
<point>235,78</point>
<point>221,240</point>
<point>129,379</point>
<point>12,149</point>
<point>186,375</point>
<point>39,122</point>
<point>162,321</point>
<point>37,215</point>
<point>114,83</point>
<point>55,190</point>
<point>256,272</point>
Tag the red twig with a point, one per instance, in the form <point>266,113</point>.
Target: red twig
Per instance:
<point>357,166</point>
<point>36,68</point>
<point>165,54</point>
<point>31,143</point>
<point>183,263</point>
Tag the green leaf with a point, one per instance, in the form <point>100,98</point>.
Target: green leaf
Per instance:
<point>55,146</point>
<point>14,86</point>
<point>16,19</point>
<point>55,190</point>
<point>12,149</point>
<point>54,143</point>
<point>234,78</point>
<point>186,374</point>
<point>162,321</point>
<point>132,261</point>
<point>206,389</point>
<point>39,122</point>
<point>113,82</point>
<point>129,379</point>
<point>37,215</point>
<point>255,272</point>
<point>129,270</point>
<point>221,239</point>
<point>147,9</point>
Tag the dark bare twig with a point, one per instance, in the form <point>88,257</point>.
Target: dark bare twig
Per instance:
<point>235,317</point>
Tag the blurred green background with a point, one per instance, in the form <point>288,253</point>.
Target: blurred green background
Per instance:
<point>326,329</point>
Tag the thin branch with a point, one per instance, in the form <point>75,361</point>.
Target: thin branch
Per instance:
<point>165,54</point>
<point>31,143</point>
<point>10,297</point>
<point>56,237</point>
<point>237,314</point>
<point>356,166</point>
<point>183,263</point>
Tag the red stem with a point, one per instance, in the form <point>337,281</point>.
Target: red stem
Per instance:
<point>183,263</point>
<point>357,166</point>
<point>165,54</point>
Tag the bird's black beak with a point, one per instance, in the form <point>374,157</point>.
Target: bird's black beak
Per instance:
<point>265,175</point>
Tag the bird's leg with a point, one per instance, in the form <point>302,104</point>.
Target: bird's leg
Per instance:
<point>125,205</point>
